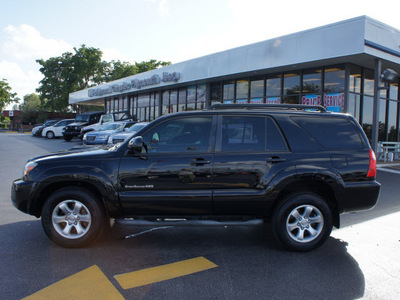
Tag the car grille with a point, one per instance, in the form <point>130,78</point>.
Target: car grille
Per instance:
<point>90,138</point>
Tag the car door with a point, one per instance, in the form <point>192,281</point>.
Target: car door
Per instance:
<point>173,175</point>
<point>250,151</point>
<point>59,127</point>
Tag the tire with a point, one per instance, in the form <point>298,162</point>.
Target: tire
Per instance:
<point>50,134</point>
<point>302,222</point>
<point>72,217</point>
<point>67,138</point>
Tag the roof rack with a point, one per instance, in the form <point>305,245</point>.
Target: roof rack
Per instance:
<point>271,106</point>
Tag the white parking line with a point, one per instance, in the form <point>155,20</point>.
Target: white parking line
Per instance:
<point>388,170</point>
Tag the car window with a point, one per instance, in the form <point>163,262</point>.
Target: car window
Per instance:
<point>243,133</point>
<point>331,133</point>
<point>275,141</point>
<point>179,135</point>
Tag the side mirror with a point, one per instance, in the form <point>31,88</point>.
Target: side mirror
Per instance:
<point>136,144</point>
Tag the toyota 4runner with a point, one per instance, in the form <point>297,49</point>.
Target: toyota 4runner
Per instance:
<point>297,166</point>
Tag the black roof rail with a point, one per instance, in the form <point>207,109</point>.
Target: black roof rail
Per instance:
<point>270,106</point>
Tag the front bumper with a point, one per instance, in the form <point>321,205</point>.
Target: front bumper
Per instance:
<point>21,193</point>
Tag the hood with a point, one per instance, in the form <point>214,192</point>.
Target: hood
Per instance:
<point>123,135</point>
<point>75,153</point>
<point>96,133</point>
<point>77,124</point>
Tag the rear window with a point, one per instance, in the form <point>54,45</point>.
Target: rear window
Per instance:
<point>331,133</point>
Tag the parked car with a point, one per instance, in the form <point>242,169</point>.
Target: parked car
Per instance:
<point>120,137</point>
<point>100,137</point>
<point>110,117</point>
<point>228,165</point>
<point>57,129</point>
<point>37,130</point>
<point>81,120</point>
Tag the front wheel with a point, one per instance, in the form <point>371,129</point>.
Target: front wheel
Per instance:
<point>302,222</point>
<point>72,217</point>
<point>50,134</point>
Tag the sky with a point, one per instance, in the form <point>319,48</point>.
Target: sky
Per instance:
<point>167,30</point>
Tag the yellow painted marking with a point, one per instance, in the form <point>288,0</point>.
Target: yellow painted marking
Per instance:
<point>87,284</point>
<point>165,272</point>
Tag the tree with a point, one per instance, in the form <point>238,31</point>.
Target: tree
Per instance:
<point>68,73</point>
<point>152,64</point>
<point>82,69</point>
<point>31,109</point>
<point>118,70</point>
<point>6,97</point>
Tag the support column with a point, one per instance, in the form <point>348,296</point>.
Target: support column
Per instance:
<point>375,116</point>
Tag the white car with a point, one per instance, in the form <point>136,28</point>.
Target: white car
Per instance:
<point>57,129</point>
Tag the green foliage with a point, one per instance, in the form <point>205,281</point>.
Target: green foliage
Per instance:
<point>6,97</point>
<point>152,64</point>
<point>68,73</point>
<point>31,108</point>
<point>82,69</point>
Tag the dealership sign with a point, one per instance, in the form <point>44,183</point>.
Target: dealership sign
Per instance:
<point>135,84</point>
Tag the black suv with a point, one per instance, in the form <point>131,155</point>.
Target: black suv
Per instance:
<point>74,129</point>
<point>297,166</point>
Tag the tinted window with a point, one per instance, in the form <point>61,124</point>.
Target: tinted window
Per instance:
<point>275,140</point>
<point>243,134</point>
<point>179,135</point>
<point>331,133</point>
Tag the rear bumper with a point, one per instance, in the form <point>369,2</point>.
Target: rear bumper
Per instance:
<point>359,196</point>
<point>20,194</point>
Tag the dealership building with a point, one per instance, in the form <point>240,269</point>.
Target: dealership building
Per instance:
<point>338,66</point>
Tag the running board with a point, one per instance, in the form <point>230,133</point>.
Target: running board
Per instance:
<point>184,222</point>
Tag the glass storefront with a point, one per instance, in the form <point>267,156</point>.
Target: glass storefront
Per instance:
<point>324,86</point>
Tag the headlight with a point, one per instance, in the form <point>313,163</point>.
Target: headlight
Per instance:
<point>29,167</point>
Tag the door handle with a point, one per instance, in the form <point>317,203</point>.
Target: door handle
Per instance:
<point>199,162</point>
<point>275,159</point>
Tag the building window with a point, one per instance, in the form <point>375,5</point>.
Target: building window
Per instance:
<point>182,99</point>
<point>201,96</point>
<point>273,89</point>
<point>312,81</point>
<point>242,90</point>
<point>256,91</point>
<point>216,93</point>
<point>355,79</point>
<point>291,88</point>
<point>229,91</point>
<point>334,80</point>
<point>191,98</point>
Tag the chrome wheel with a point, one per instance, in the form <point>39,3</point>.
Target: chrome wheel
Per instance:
<point>305,223</point>
<point>71,219</point>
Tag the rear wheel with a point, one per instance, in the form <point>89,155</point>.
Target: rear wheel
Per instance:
<point>73,217</point>
<point>302,222</point>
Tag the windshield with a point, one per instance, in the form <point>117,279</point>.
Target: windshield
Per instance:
<point>136,127</point>
<point>82,118</point>
<point>112,126</point>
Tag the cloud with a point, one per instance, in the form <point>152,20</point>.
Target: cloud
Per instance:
<point>21,81</point>
<point>26,42</point>
<point>163,6</point>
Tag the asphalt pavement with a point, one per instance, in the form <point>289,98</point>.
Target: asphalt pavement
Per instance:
<point>360,261</point>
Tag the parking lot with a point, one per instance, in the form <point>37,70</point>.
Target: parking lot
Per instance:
<point>360,260</point>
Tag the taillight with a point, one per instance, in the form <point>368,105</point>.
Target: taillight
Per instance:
<point>372,164</point>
